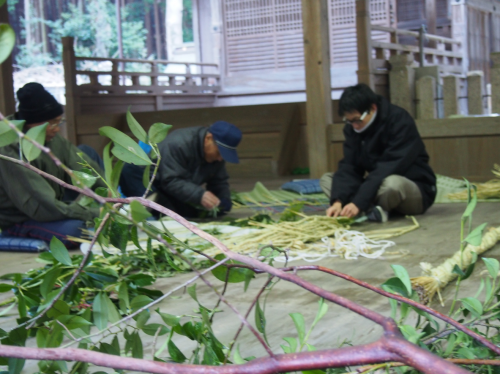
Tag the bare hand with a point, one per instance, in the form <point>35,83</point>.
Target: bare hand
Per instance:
<point>350,211</point>
<point>209,200</point>
<point>334,210</point>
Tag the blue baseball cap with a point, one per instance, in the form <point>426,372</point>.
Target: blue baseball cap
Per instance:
<point>227,137</point>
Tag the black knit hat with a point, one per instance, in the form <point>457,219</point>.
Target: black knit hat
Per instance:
<point>37,104</point>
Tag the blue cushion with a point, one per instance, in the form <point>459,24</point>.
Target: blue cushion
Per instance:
<point>16,244</point>
<point>303,187</point>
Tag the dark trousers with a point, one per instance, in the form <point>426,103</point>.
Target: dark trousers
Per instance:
<point>46,230</point>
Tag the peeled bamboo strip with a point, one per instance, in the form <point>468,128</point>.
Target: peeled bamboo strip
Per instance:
<point>435,279</point>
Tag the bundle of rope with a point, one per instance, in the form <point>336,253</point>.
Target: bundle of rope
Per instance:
<point>313,238</point>
<point>487,190</point>
<point>435,279</point>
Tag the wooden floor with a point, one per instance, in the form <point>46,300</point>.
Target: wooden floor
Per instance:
<point>436,240</point>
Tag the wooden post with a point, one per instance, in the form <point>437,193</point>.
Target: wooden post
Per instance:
<point>364,41</point>
<point>72,101</point>
<point>450,95</point>
<point>430,16</point>
<point>426,98</point>
<point>475,85</point>
<point>401,82</point>
<point>495,82</point>
<point>318,83</point>
<point>7,102</point>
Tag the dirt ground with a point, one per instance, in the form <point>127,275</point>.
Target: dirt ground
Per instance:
<point>436,240</point>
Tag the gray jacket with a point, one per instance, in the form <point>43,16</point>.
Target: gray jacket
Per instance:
<point>183,170</point>
<point>25,195</point>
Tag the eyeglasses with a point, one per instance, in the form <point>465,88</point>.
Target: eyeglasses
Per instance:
<point>56,123</point>
<point>356,121</point>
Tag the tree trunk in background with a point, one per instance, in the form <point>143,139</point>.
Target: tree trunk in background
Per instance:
<point>27,21</point>
<point>119,28</point>
<point>147,24</point>
<point>159,54</point>
<point>43,27</point>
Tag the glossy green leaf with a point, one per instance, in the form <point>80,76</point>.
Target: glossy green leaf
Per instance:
<point>237,359</point>
<point>293,345</point>
<point>108,162</point>
<point>16,365</point>
<point>158,132</point>
<point>8,135</point>
<point>4,287</point>
<point>192,292</point>
<point>169,319</point>
<point>493,266</point>
<point>395,285</point>
<point>123,298</point>
<point>138,211</point>
<point>473,305</point>
<point>411,334</point>
<point>300,325</point>
<point>146,176</point>
<point>37,134</point>
<point>60,308</point>
<point>7,41</point>
<point>49,280</point>
<point>59,251</point>
<point>142,318</point>
<point>100,311</point>
<point>476,235</point>
<point>86,179</point>
<point>113,314</point>
<point>472,201</point>
<point>73,322</point>
<point>403,275</point>
<point>115,175</point>
<point>260,318</point>
<point>119,234</point>
<point>153,328</point>
<point>236,275</point>
<point>109,349</point>
<point>464,275</point>
<point>125,148</point>
<point>41,337</point>
<point>175,353</point>
<point>140,301</point>
<point>136,128</point>
<point>137,349</point>
<point>323,308</point>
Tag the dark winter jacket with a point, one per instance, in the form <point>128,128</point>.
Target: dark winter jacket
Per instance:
<point>183,170</point>
<point>391,145</point>
<point>25,195</point>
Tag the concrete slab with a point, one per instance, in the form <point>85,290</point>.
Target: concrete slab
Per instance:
<point>436,240</point>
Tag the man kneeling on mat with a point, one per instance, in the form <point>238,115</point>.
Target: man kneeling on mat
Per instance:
<point>32,206</point>
<point>385,166</point>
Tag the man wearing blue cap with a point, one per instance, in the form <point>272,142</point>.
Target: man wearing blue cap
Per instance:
<point>192,176</point>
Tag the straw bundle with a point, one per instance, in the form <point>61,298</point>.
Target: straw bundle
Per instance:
<point>488,190</point>
<point>435,279</point>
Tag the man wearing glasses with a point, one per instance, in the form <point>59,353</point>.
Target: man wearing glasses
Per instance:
<point>30,205</point>
<point>385,166</point>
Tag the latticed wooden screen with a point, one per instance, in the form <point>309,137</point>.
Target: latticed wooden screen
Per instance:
<point>263,34</point>
<point>267,34</point>
<point>343,28</point>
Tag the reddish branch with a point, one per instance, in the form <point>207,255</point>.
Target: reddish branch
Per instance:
<point>460,361</point>
<point>391,347</point>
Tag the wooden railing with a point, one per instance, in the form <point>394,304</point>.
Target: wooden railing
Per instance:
<point>133,76</point>
<point>450,59</point>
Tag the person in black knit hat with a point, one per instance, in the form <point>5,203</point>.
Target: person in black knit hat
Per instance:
<point>30,205</point>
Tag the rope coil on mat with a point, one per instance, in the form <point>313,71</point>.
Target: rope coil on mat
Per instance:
<point>435,279</point>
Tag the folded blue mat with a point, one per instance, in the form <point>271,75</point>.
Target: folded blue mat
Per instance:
<point>15,244</point>
<point>303,186</point>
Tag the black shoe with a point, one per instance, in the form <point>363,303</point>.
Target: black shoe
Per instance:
<point>377,214</point>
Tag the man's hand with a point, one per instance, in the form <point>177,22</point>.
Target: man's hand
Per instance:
<point>334,210</point>
<point>350,211</point>
<point>209,200</point>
